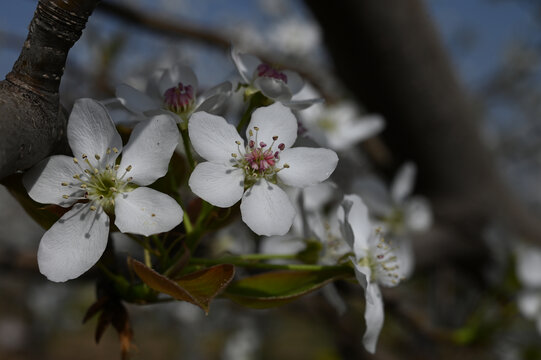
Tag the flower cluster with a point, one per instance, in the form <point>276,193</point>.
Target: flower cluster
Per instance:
<point>94,185</point>
<point>282,187</point>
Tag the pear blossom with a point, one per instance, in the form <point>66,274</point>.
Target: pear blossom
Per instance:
<point>256,171</point>
<point>338,126</point>
<point>396,209</point>
<point>529,273</point>
<point>375,263</point>
<point>173,91</point>
<point>94,185</point>
<point>278,85</point>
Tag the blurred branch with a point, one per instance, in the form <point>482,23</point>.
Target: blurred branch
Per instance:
<point>319,78</point>
<point>389,55</point>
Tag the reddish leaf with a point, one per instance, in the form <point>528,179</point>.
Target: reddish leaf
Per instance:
<point>198,288</point>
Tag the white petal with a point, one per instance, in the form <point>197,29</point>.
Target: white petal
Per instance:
<point>274,120</point>
<point>146,211</point>
<point>273,88</point>
<point>152,143</point>
<point>73,244</point>
<point>317,196</point>
<point>245,64</point>
<point>403,248</point>
<point>418,214</point>
<point>266,209</point>
<point>136,100</point>
<point>219,184</point>
<point>307,166</point>
<point>177,74</point>
<point>403,182</point>
<point>374,193</point>
<point>373,316</point>
<point>294,81</point>
<point>301,104</point>
<point>363,274</point>
<point>213,138</point>
<point>529,265</point>
<point>529,303</point>
<point>212,100</point>
<point>355,212</point>
<point>91,131</point>
<point>44,181</point>
<point>355,132</point>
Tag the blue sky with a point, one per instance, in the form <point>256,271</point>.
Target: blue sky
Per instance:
<point>494,24</point>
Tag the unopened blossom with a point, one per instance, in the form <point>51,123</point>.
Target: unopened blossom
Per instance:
<point>528,267</point>
<point>173,92</point>
<point>375,263</point>
<point>94,184</point>
<point>276,84</point>
<point>338,126</point>
<point>255,170</point>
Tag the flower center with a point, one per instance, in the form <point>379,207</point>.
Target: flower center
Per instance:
<point>258,160</point>
<point>99,183</point>
<point>383,262</point>
<point>268,71</point>
<point>179,99</point>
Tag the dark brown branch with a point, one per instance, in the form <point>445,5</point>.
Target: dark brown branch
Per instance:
<point>32,124</point>
<point>389,55</point>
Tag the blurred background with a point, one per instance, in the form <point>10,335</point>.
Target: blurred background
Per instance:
<point>454,307</point>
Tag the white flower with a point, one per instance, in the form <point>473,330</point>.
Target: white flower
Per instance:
<point>76,241</point>
<point>338,126</point>
<point>255,172</point>
<point>278,85</point>
<point>173,91</point>
<point>375,263</point>
<point>529,274</point>
<point>398,211</point>
<point>295,36</point>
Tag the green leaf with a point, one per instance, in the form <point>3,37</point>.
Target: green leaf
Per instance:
<point>198,288</point>
<point>278,288</point>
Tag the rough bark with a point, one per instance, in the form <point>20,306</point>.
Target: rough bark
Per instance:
<point>389,55</point>
<point>32,123</point>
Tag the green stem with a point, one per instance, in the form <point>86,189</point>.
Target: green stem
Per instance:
<point>187,147</point>
<point>302,267</point>
<point>148,260</point>
<point>187,223</point>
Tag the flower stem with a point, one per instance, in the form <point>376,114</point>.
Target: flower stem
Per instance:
<point>187,223</point>
<point>148,260</point>
<point>187,147</point>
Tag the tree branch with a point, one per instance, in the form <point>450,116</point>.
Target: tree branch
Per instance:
<point>32,124</point>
